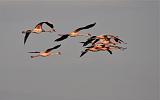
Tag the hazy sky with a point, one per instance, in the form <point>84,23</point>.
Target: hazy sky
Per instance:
<point>128,75</point>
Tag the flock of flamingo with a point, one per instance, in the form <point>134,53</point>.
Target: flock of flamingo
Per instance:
<point>106,42</point>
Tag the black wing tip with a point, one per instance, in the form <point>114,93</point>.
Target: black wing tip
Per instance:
<point>28,32</point>
<point>62,38</point>
<point>58,45</point>
<point>83,52</point>
<point>91,25</point>
<point>23,32</point>
<point>55,47</point>
<point>94,23</point>
<point>81,42</point>
<point>93,37</point>
<point>84,45</point>
<point>57,40</point>
<point>110,52</point>
<point>34,52</point>
<point>25,41</point>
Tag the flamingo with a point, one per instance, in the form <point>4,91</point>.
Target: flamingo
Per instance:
<point>94,39</point>
<point>75,33</point>
<point>38,29</point>
<point>105,39</point>
<point>96,48</point>
<point>46,52</point>
<point>115,40</point>
<point>102,47</point>
<point>93,49</point>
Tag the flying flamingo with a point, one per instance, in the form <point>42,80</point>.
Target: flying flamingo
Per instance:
<point>46,52</point>
<point>105,39</point>
<point>96,48</point>
<point>76,32</point>
<point>101,47</point>
<point>38,29</point>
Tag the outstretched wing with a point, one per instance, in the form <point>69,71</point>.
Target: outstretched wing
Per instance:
<point>119,40</point>
<point>34,52</point>
<point>95,41</point>
<point>49,24</point>
<point>39,25</point>
<point>85,27</point>
<point>89,40</point>
<point>50,49</point>
<point>83,52</point>
<point>28,32</point>
<point>62,37</point>
<point>109,51</point>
